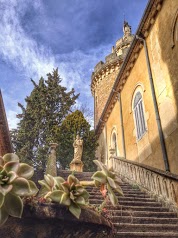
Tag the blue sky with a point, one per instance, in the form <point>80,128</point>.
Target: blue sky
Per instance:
<point>73,35</point>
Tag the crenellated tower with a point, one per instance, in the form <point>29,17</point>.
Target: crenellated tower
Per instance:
<point>105,73</point>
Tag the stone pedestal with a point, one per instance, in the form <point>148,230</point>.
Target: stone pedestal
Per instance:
<point>51,163</point>
<point>76,165</point>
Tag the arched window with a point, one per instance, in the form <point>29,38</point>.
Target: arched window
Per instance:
<point>139,115</point>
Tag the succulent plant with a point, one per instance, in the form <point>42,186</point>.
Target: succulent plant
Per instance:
<point>106,178</point>
<point>69,193</point>
<point>49,184</point>
<point>14,184</point>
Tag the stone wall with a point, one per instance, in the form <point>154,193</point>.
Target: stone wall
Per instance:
<point>163,58</point>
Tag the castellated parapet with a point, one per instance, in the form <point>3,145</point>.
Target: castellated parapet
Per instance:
<point>105,73</point>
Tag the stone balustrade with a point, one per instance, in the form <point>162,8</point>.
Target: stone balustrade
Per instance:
<point>159,184</point>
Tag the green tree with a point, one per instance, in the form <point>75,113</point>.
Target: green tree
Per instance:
<point>74,124</point>
<point>46,107</point>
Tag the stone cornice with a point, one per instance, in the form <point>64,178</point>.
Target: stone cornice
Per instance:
<point>104,70</point>
<point>146,22</point>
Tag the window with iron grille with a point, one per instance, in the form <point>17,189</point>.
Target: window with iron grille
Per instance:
<point>139,116</point>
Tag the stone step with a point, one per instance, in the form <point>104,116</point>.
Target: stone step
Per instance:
<point>128,193</point>
<point>80,175</point>
<point>138,208</point>
<point>146,234</point>
<point>130,203</point>
<point>141,195</point>
<point>132,196</point>
<point>143,220</point>
<point>137,215</point>
<point>133,192</point>
<point>140,214</point>
<point>125,227</point>
<point>138,199</point>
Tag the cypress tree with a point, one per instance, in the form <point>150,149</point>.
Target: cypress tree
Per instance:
<point>46,107</point>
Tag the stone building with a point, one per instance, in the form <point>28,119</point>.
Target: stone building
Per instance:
<point>5,141</point>
<point>136,91</point>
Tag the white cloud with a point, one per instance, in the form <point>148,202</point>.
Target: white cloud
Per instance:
<point>16,47</point>
<point>77,66</point>
<point>25,54</point>
<point>11,118</point>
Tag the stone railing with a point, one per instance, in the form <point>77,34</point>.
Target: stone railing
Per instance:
<point>159,184</point>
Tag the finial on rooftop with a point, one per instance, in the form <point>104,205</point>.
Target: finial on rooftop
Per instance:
<point>126,29</point>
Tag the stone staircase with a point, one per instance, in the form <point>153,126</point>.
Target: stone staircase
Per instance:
<point>137,215</point>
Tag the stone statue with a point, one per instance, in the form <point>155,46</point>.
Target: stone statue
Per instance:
<point>126,29</point>
<point>78,148</point>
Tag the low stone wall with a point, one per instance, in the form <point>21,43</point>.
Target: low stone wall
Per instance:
<point>55,221</point>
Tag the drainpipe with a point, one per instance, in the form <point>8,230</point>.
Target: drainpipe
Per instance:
<point>106,143</point>
<point>160,130</point>
<point>122,126</point>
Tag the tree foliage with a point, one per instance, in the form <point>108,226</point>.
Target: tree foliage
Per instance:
<point>74,124</point>
<point>48,118</point>
<point>46,107</point>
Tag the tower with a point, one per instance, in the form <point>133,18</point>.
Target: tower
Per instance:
<point>105,73</point>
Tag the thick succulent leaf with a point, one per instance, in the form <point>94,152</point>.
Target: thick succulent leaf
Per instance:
<point>10,157</point>
<point>75,210</point>
<point>97,184</point>
<point>1,199</point>
<point>72,186</point>
<point>75,193</point>
<point>58,180</point>
<point>57,187</point>
<point>3,172</point>
<point>4,189</point>
<point>79,188</point>
<point>65,187</point>
<point>49,180</point>
<point>111,174</point>
<point>12,176</point>
<point>72,197</point>
<point>111,182</point>
<point>3,215</point>
<point>13,205</point>
<point>100,177</point>
<point>25,171</point>
<point>101,166</point>
<point>80,201</point>
<point>117,180</point>
<point>1,161</point>
<point>21,187</point>
<point>98,163</point>
<point>56,195</point>
<point>112,196</point>
<point>33,188</point>
<point>1,168</point>
<point>43,192</point>
<point>85,195</point>
<point>72,179</point>
<point>119,190</point>
<point>44,184</point>
<point>65,199</point>
<point>11,166</point>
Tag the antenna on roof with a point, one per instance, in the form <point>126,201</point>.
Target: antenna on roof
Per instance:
<point>124,16</point>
